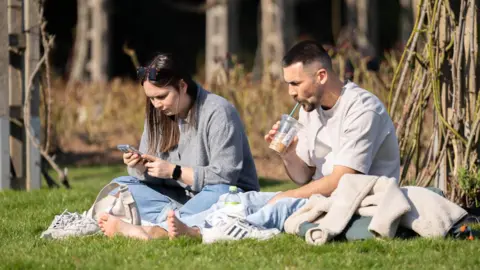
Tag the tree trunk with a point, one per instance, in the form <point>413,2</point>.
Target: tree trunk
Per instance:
<point>80,48</point>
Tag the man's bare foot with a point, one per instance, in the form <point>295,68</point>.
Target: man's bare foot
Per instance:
<point>177,228</point>
<point>112,225</point>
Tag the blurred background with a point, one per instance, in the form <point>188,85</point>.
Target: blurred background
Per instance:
<point>420,57</point>
<point>98,45</point>
<point>147,26</point>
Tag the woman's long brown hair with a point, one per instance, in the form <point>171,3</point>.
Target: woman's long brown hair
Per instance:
<point>163,130</point>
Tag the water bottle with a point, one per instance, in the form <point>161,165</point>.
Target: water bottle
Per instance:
<point>232,197</point>
<point>233,205</point>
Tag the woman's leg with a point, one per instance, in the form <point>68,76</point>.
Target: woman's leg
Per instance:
<point>153,201</point>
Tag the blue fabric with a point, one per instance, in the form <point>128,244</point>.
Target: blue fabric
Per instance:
<point>154,200</point>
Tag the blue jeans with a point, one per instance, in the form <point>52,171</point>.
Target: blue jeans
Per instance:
<point>155,199</point>
<point>257,211</point>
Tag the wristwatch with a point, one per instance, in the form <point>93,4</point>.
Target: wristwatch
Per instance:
<point>177,172</point>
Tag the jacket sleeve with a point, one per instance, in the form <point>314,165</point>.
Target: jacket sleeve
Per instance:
<point>224,132</point>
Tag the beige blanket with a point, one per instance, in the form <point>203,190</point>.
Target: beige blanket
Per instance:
<point>416,208</point>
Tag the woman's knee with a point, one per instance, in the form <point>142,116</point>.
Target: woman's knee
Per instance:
<point>125,180</point>
<point>219,188</point>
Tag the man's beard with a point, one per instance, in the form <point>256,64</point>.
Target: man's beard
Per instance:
<point>311,104</point>
<point>314,101</point>
<point>308,107</point>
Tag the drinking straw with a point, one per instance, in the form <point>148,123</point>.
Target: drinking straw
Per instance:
<point>294,109</point>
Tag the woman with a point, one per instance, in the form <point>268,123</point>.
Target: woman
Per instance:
<point>193,142</point>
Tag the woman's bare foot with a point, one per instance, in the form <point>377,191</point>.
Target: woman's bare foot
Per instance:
<point>155,232</point>
<point>177,228</point>
<point>112,225</point>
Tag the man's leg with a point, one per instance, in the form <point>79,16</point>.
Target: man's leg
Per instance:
<point>274,215</point>
<point>194,211</point>
<point>152,200</point>
<point>252,201</point>
<point>203,200</point>
<point>192,225</point>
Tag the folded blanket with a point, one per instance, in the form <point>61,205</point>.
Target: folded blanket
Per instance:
<point>416,208</point>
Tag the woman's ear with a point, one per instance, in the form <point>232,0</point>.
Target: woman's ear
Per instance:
<point>183,86</point>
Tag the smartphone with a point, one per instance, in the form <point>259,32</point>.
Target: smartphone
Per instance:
<point>126,148</point>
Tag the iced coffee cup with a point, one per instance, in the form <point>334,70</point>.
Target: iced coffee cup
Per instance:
<point>288,129</point>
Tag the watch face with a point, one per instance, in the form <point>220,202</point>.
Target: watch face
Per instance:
<point>177,172</point>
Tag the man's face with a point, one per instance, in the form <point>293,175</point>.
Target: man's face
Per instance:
<point>305,84</point>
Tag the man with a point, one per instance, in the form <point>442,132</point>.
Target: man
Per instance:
<point>347,130</point>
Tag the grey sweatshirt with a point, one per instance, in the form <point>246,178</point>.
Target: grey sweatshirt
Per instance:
<point>217,150</point>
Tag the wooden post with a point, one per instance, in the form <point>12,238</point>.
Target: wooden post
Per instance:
<point>32,57</point>
<point>363,25</point>
<point>80,49</point>
<point>367,22</point>
<point>336,18</point>
<point>15,86</point>
<point>99,41</point>
<point>4,97</point>
<point>278,34</point>
<point>351,13</point>
<point>221,34</point>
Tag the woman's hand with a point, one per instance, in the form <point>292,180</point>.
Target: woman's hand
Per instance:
<point>133,160</point>
<point>157,167</point>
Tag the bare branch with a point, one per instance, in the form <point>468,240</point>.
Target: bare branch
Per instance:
<point>47,42</point>
<point>26,107</point>
<point>412,44</point>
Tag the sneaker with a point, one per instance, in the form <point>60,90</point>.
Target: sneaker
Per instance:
<point>70,224</point>
<point>59,221</point>
<point>225,227</point>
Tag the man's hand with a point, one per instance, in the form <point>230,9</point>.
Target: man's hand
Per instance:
<point>157,167</point>
<point>271,134</point>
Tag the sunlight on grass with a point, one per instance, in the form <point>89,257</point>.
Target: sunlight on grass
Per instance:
<point>24,215</point>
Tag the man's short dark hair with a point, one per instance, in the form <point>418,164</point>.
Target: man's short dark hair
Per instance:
<point>307,52</point>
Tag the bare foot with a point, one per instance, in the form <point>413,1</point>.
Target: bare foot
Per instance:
<point>112,225</point>
<point>155,232</point>
<point>177,228</point>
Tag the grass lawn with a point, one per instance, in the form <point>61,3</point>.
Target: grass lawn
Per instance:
<point>23,216</point>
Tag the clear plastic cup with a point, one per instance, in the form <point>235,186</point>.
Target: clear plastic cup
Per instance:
<point>288,129</point>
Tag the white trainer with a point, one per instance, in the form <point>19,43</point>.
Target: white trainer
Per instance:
<point>224,227</point>
<point>70,224</point>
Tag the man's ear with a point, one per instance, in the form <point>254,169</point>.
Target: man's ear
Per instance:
<point>321,76</point>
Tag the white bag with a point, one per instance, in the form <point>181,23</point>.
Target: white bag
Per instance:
<point>123,206</point>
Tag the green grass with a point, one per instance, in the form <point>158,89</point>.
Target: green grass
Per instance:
<point>24,215</point>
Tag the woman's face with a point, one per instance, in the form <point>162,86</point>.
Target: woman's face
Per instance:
<point>167,99</point>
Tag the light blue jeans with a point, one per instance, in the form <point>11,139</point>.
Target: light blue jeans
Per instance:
<point>154,199</point>
<point>257,210</point>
